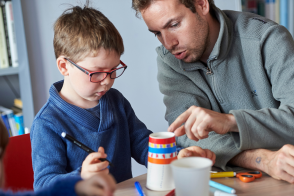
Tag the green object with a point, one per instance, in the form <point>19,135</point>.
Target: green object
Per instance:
<point>261,8</point>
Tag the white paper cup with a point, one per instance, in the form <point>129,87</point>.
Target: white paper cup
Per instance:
<point>191,176</point>
<point>161,152</point>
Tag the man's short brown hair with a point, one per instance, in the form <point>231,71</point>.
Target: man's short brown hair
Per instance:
<point>80,32</point>
<point>139,5</point>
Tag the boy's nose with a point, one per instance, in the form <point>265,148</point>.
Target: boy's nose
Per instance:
<point>106,80</point>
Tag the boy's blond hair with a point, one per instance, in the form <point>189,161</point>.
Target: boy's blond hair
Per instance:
<point>81,32</point>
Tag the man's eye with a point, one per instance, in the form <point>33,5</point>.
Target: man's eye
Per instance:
<point>157,34</point>
<point>174,25</point>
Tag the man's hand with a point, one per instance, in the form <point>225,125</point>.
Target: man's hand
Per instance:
<point>280,164</point>
<point>195,151</point>
<point>200,121</point>
<point>92,165</point>
<point>98,184</point>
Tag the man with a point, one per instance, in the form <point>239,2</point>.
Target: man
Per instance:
<point>229,77</point>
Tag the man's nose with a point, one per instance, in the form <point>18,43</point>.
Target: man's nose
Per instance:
<point>170,41</point>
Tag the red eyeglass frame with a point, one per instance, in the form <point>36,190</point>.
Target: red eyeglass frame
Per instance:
<point>90,73</point>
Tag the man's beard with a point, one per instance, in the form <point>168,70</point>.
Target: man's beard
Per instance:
<point>197,52</point>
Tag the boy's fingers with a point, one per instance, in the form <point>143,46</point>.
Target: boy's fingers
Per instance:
<point>96,190</point>
<point>98,184</point>
<point>101,149</point>
<point>187,153</point>
<point>210,155</point>
<point>98,166</point>
<point>94,157</point>
<point>104,171</point>
<point>105,181</point>
<point>97,160</point>
<point>195,151</point>
<point>97,155</point>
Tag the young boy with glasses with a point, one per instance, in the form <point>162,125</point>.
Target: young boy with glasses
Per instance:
<point>88,49</point>
<point>99,184</point>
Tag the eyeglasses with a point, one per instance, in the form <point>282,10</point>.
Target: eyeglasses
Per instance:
<point>99,76</point>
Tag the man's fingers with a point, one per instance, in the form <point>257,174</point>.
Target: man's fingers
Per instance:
<point>190,123</point>
<point>203,130</point>
<point>289,169</point>
<point>287,177</point>
<point>180,131</point>
<point>179,121</point>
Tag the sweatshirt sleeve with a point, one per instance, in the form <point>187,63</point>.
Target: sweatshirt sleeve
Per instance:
<point>139,135</point>
<point>179,96</point>
<point>49,163</point>
<point>271,128</point>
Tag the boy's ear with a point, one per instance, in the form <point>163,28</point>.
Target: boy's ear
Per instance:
<point>62,65</point>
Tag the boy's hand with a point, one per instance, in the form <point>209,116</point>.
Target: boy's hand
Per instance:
<point>99,184</point>
<point>195,151</point>
<point>92,165</point>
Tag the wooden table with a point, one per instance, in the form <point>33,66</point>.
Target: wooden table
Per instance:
<point>265,186</point>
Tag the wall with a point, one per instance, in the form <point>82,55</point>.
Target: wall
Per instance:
<point>229,4</point>
<point>138,84</point>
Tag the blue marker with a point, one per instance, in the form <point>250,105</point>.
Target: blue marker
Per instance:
<point>221,187</point>
<point>217,192</point>
<point>139,188</point>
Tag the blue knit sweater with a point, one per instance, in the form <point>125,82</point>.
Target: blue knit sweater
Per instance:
<point>118,130</point>
<point>65,187</point>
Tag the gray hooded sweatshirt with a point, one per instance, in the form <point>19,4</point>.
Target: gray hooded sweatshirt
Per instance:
<point>251,76</point>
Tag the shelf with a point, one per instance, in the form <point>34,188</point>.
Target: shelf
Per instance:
<point>8,71</point>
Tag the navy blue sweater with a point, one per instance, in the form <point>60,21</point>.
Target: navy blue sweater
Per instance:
<point>118,130</point>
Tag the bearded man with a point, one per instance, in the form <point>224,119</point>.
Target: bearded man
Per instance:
<point>228,82</point>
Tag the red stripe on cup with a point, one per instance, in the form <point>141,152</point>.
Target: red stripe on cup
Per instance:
<point>162,141</point>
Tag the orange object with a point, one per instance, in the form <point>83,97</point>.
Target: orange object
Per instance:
<point>161,161</point>
<point>249,176</point>
<point>18,168</point>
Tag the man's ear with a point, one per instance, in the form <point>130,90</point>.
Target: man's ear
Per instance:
<point>202,7</point>
<point>62,65</point>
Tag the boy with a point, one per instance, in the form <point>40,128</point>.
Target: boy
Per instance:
<point>88,49</point>
<point>96,185</point>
